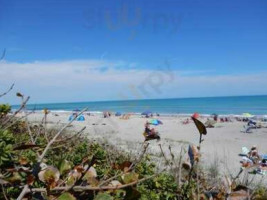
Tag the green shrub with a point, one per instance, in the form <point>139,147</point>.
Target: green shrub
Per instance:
<point>4,109</point>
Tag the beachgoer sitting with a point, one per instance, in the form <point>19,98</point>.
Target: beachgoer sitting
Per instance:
<point>106,114</point>
<point>186,121</point>
<point>253,154</point>
<point>150,133</point>
<point>250,125</point>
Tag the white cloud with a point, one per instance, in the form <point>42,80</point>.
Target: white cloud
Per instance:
<point>88,80</point>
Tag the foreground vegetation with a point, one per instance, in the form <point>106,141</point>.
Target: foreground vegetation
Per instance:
<point>41,163</point>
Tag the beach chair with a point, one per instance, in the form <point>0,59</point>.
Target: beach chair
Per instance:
<point>248,129</point>
<point>151,137</point>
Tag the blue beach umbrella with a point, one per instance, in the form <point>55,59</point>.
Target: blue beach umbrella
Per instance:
<point>81,118</point>
<point>118,114</point>
<point>155,122</point>
<point>71,117</point>
<point>147,112</point>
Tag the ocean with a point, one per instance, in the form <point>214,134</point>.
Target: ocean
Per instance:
<point>256,105</point>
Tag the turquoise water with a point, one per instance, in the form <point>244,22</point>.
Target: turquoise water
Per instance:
<point>256,105</point>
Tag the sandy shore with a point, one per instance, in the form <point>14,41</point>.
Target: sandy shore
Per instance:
<point>222,143</point>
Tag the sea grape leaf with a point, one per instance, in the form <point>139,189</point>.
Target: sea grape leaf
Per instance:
<point>103,196</point>
<point>130,177</point>
<point>71,180</point>
<point>23,161</point>
<point>15,178</point>
<point>200,126</point>
<point>114,183</point>
<point>66,196</point>
<point>132,194</point>
<point>50,176</point>
<point>90,177</point>
<point>64,166</point>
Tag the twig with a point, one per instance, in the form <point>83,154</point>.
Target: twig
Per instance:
<point>5,93</point>
<point>4,193</point>
<point>24,192</point>
<point>39,130</point>
<point>166,160</point>
<point>12,116</point>
<point>26,120</point>
<point>180,168</point>
<point>87,188</point>
<point>17,120</point>
<point>73,136</point>
<point>45,118</point>
<point>88,167</point>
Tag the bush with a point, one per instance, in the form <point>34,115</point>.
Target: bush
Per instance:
<point>4,109</point>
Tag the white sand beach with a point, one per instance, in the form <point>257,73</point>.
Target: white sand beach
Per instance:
<point>221,144</point>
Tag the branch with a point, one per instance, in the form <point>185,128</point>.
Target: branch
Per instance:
<point>87,188</point>
<point>26,120</point>
<point>163,154</point>
<point>5,93</point>
<point>73,136</point>
<point>21,107</point>
<point>17,120</point>
<point>4,193</point>
<point>23,192</point>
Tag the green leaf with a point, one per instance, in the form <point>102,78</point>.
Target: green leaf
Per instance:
<point>132,194</point>
<point>49,175</point>
<point>64,167</point>
<point>103,196</point>
<point>200,126</point>
<point>66,196</point>
<point>130,177</point>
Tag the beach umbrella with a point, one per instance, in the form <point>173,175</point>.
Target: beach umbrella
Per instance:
<point>118,114</point>
<point>195,115</point>
<point>147,112</point>
<point>160,122</point>
<point>71,117</point>
<point>210,123</point>
<point>81,118</point>
<point>155,122</point>
<point>247,115</point>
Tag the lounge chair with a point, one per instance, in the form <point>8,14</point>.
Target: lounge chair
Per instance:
<point>151,137</point>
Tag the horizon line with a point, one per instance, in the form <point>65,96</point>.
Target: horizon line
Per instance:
<point>96,101</point>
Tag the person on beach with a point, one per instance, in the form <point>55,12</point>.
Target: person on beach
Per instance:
<point>149,131</point>
<point>253,154</point>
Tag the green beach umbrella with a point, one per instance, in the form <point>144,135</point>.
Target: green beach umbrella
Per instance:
<point>210,123</point>
<point>247,115</point>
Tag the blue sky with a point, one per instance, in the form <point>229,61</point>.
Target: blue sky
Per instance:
<point>203,40</point>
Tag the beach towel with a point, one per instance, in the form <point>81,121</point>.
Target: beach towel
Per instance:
<point>245,150</point>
